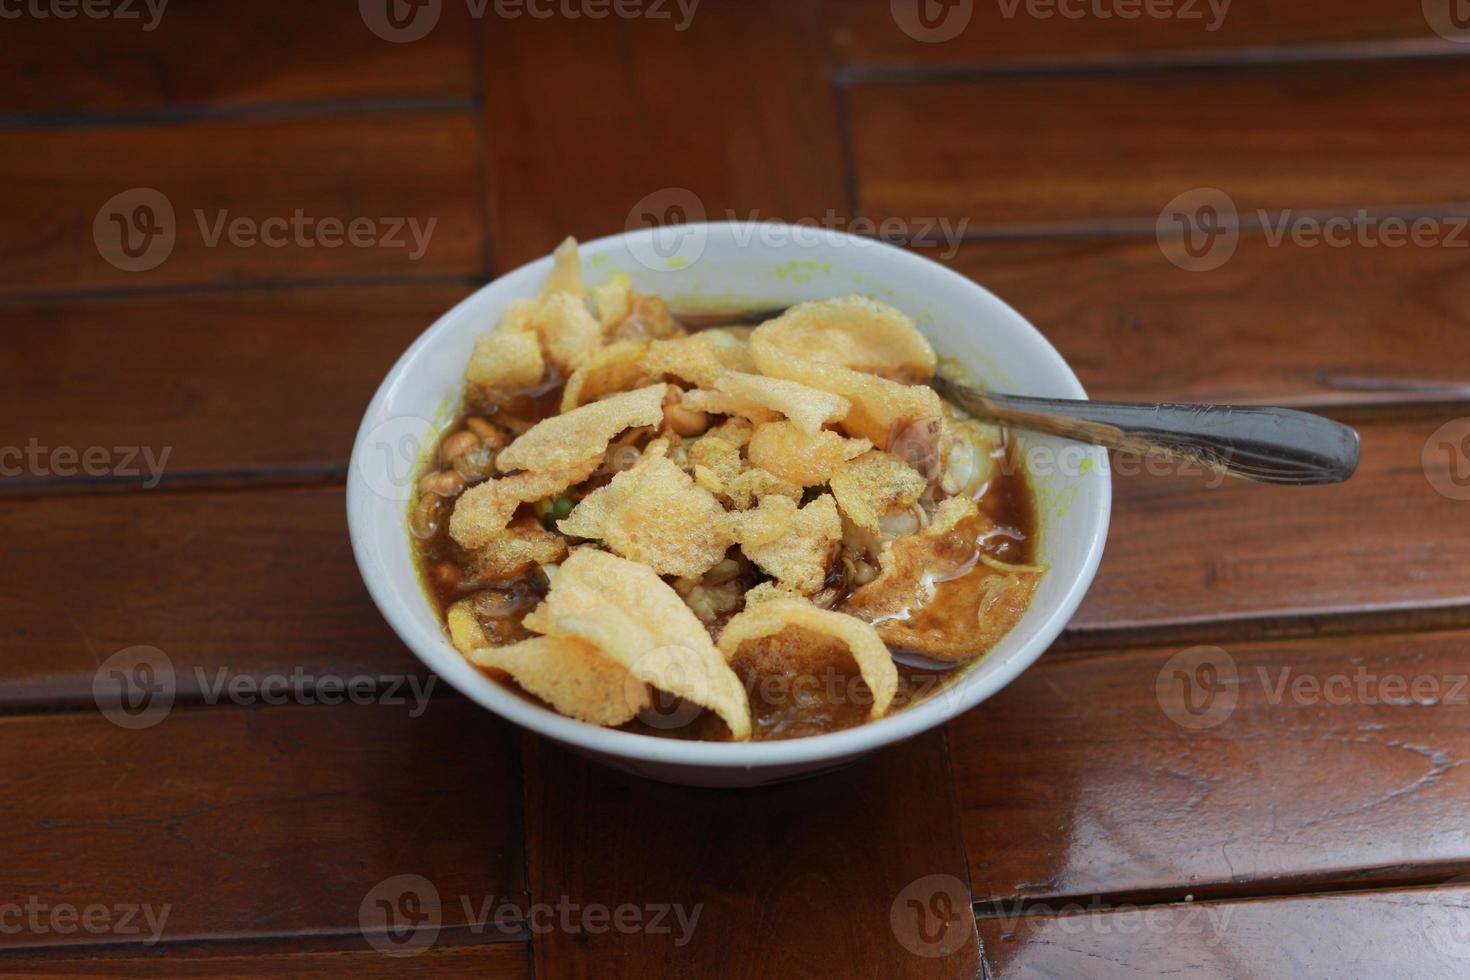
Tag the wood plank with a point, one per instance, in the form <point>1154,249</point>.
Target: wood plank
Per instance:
<point>385,169</point>
<point>868,33</point>
<point>1416,933</point>
<point>809,878</point>
<point>1189,558</point>
<point>1018,152</point>
<point>227,585</point>
<point>1309,764</point>
<point>255,821</point>
<point>733,115</point>
<point>225,381</point>
<point>297,957</point>
<point>277,52</point>
<point>1310,327</point>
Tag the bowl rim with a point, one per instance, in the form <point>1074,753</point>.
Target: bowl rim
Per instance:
<point>930,712</point>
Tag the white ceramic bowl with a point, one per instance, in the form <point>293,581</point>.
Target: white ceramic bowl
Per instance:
<point>762,265</point>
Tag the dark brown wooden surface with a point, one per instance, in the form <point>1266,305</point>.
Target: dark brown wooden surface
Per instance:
<point>256,821</point>
<point>1094,149</point>
<point>807,873</point>
<point>1320,820</point>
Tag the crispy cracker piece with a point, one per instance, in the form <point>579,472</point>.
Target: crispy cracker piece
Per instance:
<point>808,408</point>
<point>775,616</point>
<point>807,459</point>
<point>571,676</point>
<point>943,555</point>
<point>524,545</point>
<point>800,558</point>
<point>698,358</point>
<point>635,618</point>
<point>773,517</point>
<point>482,512</point>
<point>616,367</point>
<point>508,358</point>
<point>566,271</point>
<point>649,318</point>
<point>854,332</point>
<point>754,483</point>
<point>719,403</point>
<point>768,590</point>
<point>565,439</point>
<point>569,334</point>
<point>655,514</point>
<point>875,485</point>
<point>613,301</point>
<point>879,406</point>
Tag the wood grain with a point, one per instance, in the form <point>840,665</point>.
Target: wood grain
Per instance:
<point>799,879</point>
<point>277,52</point>
<point>298,956</point>
<point>1311,327</point>
<point>731,116</point>
<point>225,381</point>
<point>1184,560</point>
<point>1302,763</point>
<point>1017,153</point>
<point>381,168</point>
<point>256,822</point>
<point>1416,933</point>
<point>1022,34</point>
<point>226,585</point>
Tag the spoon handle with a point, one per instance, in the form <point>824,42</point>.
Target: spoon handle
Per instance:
<point>1266,445</point>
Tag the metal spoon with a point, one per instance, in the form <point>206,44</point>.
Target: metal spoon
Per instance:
<point>1266,445</point>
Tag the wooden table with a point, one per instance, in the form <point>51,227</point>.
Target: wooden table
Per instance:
<point>1305,814</point>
